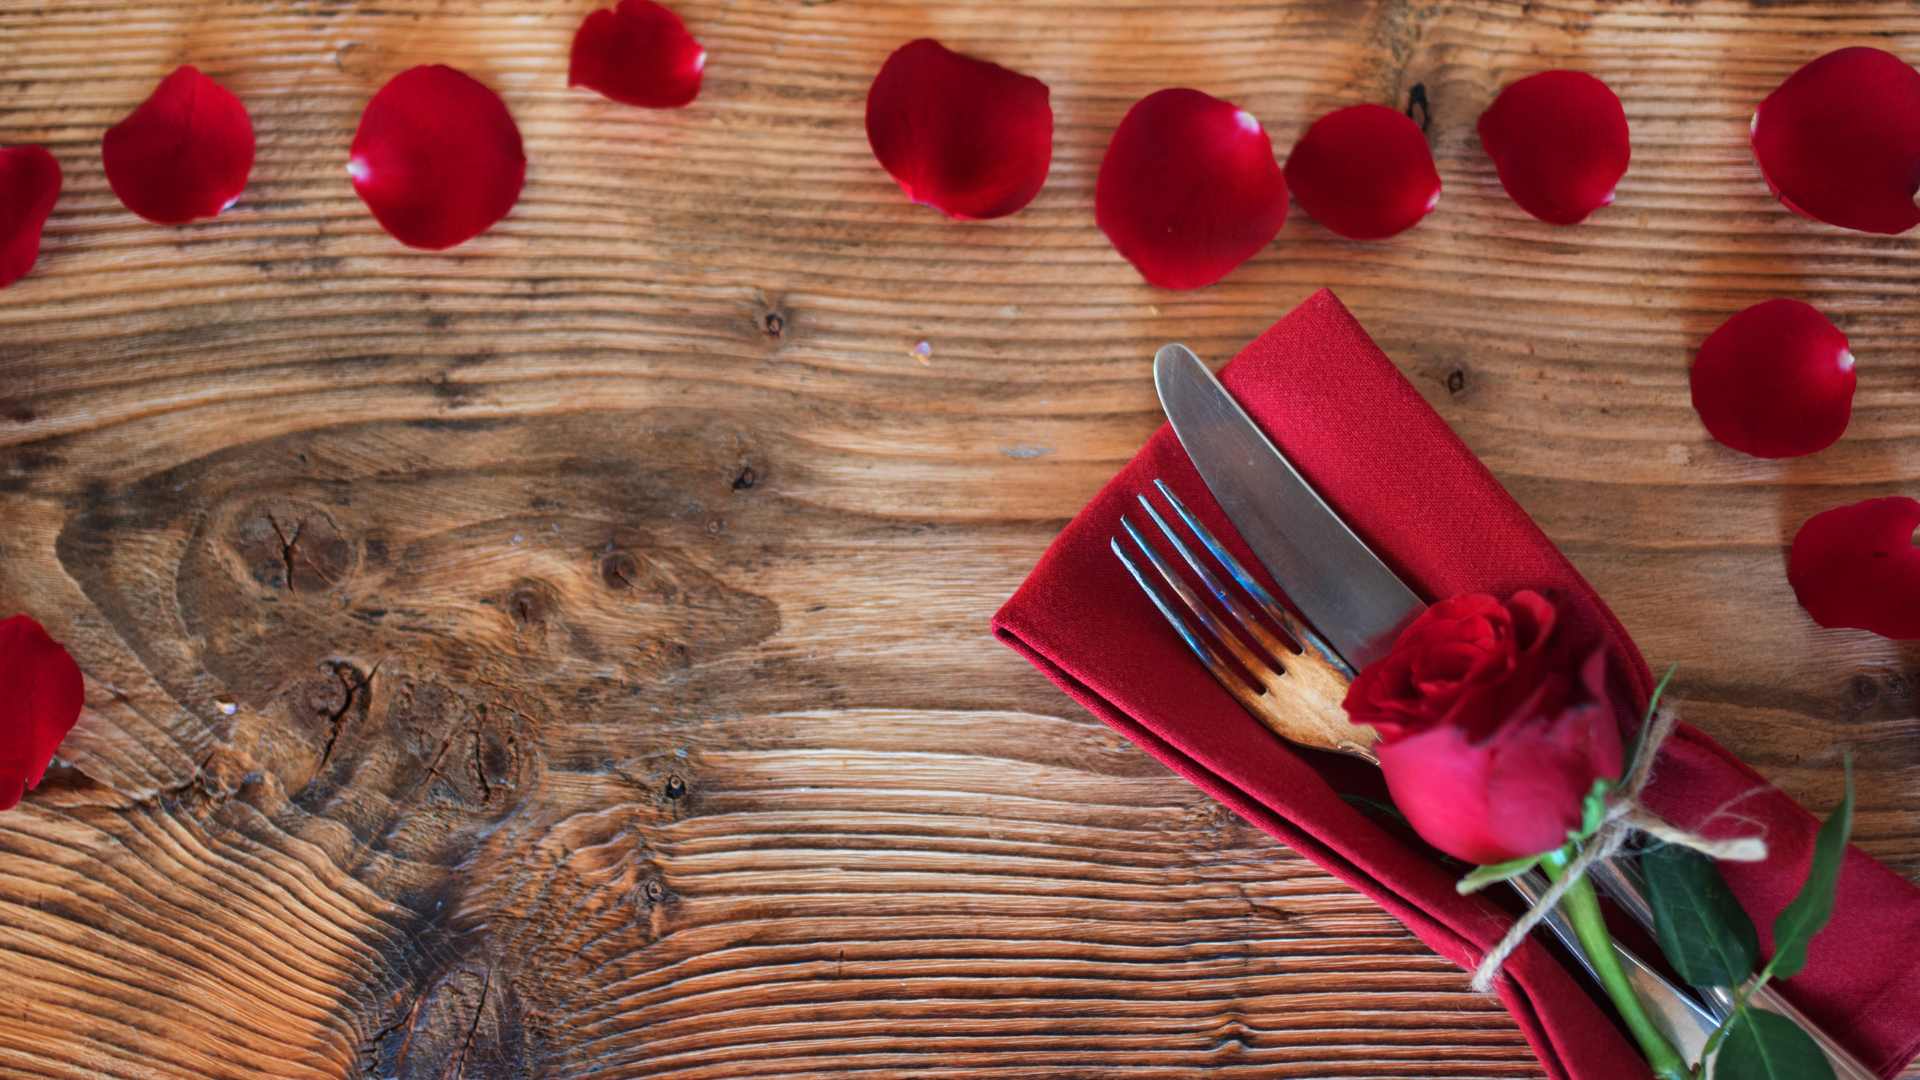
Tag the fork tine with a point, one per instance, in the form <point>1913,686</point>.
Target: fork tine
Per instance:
<point>1286,620</point>
<point>1297,695</point>
<point>1274,645</point>
<point>1222,671</point>
<point>1260,668</point>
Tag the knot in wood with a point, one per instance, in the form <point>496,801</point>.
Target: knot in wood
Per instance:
<point>618,570</point>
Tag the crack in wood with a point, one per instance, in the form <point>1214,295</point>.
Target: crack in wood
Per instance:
<point>354,684</point>
<point>480,769</point>
<point>287,546</point>
<point>433,770</point>
<point>410,1021</point>
<point>460,1062</point>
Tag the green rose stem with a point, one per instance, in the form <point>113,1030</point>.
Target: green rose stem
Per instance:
<point>1582,908</point>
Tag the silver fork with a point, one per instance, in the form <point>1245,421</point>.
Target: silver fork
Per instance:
<point>1295,688</point>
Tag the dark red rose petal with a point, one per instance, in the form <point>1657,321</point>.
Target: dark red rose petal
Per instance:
<point>29,184</point>
<point>1775,381</point>
<point>1858,566</point>
<point>1189,188</point>
<point>965,136</point>
<point>1511,792</point>
<point>1559,142</point>
<point>185,153</point>
<point>639,54</point>
<point>437,158</point>
<point>1364,172</point>
<point>41,692</point>
<point>1493,725</point>
<point>1839,141</point>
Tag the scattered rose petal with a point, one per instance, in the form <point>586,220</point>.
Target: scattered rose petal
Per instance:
<point>1364,172</point>
<point>639,54</point>
<point>437,158</point>
<point>1858,566</point>
<point>1839,141</point>
<point>1559,142</point>
<point>965,136</point>
<point>41,692</point>
<point>185,153</point>
<point>1189,189</point>
<point>1775,381</point>
<point>29,184</point>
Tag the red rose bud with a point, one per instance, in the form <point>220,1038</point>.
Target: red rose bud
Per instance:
<point>967,137</point>
<point>1858,566</point>
<point>1839,141</point>
<point>1492,726</point>
<point>29,185</point>
<point>437,158</point>
<point>41,692</point>
<point>1775,381</point>
<point>1559,141</point>
<point>1189,189</point>
<point>185,153</point>
<point>1364,172</point>
<point>638,54</point>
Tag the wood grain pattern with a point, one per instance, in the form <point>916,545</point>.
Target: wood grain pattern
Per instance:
<point>567,656</point>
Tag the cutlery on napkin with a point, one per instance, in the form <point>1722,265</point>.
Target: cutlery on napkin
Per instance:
<point>1419,498</point>
<point>1347,594</point>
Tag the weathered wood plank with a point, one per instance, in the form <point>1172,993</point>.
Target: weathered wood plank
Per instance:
<point>601,606</point>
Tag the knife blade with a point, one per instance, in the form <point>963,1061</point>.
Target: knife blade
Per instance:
<point>1338,584</point>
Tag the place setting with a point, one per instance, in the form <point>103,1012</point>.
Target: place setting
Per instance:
<point>1480,710</point>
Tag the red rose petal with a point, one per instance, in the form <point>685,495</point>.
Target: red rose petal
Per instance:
<point>1776,380</point>
<point>29,184</point>
<point>185,153</point>
<point>965,136</point>
<point>437,158</point>
<point>1510,792</point>
<point>1189,189</point>
<point>41,692</point>
<point>1858,566</point>
<point>1839,141</point>
<point>1364,172</point>
<point>1559,142</point>
<point>639,54</point>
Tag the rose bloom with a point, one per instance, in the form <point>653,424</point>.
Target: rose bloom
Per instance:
<point>1492,726</point>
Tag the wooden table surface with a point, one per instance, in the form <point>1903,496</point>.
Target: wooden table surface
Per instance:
<point>567,656</point>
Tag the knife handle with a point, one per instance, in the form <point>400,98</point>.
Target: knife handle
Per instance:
<point>1622,884</point>
<point>1685,1022</point>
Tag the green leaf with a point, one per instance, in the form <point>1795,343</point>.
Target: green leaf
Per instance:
<point>1704,932</point>
<point>1768,1046</point>
<point>1482,876</point>
<point>1810,910</point>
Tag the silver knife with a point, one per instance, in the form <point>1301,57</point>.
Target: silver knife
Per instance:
<point>1338,584</point>
<point>1341,587</point>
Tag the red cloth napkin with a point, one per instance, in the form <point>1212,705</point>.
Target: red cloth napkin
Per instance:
<point>1387,463</point>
